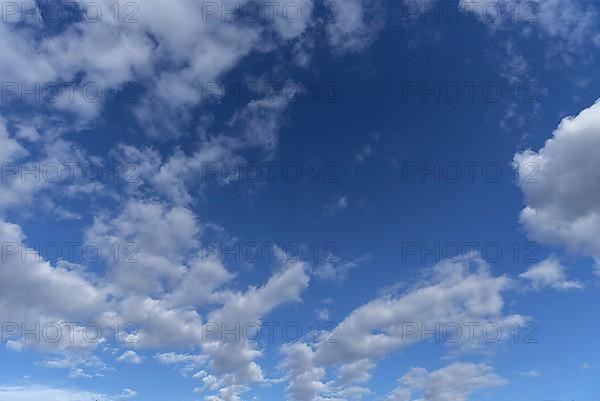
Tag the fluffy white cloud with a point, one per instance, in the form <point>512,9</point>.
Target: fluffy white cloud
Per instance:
<point>154,242</point>
<point>130,357</point>
<point>237,358</point>
<point>355,372</point>
<point>455,292</point>
<point>550,273</point>
<point>455,382</point>
<point>561,184</point>
<point>31,289</point>
<point>178,281</point>
<point>305,380</point>
<point>165,310</point>
<point>172,48</point>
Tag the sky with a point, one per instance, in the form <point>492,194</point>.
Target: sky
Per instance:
<point>303,200</point>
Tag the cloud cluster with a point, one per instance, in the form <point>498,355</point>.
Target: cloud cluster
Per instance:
<point>170,49</point>
<point>455,290</point>
<point>162,299</point>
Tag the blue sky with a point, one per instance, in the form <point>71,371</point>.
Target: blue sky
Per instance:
<point>301,200</point>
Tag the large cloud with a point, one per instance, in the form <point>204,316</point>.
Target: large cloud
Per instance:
<point>561,184</point>
<point>458,291</point>
<point>31,288</point>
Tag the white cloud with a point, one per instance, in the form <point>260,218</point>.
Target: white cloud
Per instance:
<point>532,374</point>
<point>172,48</point>
<point>364,154</point>
<point>340,204</point>
<point>323,313</point>
<point>456,291</point>
<point>305,380</point>
<point>31,289</point>
<point>337,270</point>
<point>34,292</point>
<point>561,185</point>
<point>456,382</point>
<point>167,317</point>
<point>353,24</point>
<point>130,357</point>
<point>187,364</point>
<point>237,358</point>
<point>260,122</point>
<point>355,372</point>
<point>160,253</point>
<point>159,324</point>
<point>219,158</point>
<point>550,273</point>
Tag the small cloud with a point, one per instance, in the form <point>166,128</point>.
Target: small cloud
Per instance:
<point>188,364</point>
<point>130,357</point>
<point>78,373</point>
<point>368,150</point>
<point>64,214</point>
<point>531,374</point>
<point>340,204</point>
<point>586,365</point>
<point>364,154</point>
<point>334,269</point>
<point>127,393</point>
<point>323,314</point>
<point>550,273</point>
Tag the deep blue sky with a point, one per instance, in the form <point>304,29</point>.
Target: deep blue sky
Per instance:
<point>387,234</point>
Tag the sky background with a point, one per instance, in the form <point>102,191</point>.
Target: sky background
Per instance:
<point>355,178</point>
